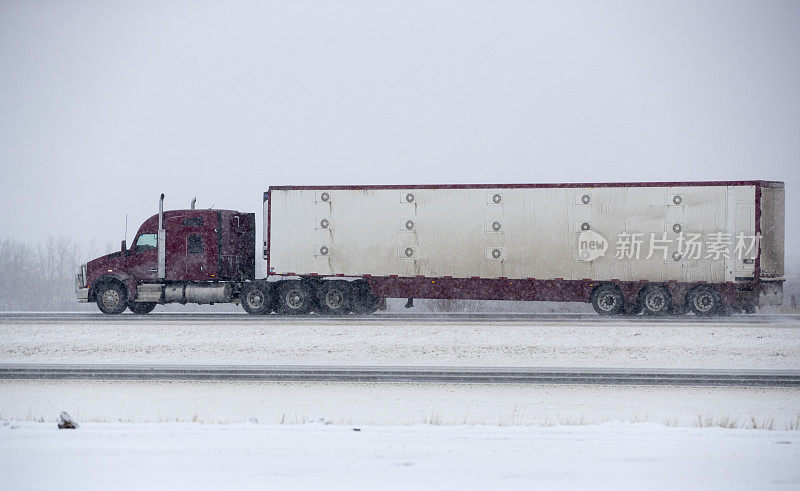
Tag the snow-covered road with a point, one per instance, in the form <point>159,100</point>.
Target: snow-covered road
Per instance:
<point>578,341</point>
<point>119,456</point>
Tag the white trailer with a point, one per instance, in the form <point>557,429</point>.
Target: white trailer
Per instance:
<point>657,247</point>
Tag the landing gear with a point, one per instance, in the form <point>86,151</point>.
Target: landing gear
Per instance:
<point>141,308</point>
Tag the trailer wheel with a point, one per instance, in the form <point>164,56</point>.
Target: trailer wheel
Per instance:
<point>111,298</point>
<point>295,298</point>
<point>141,308</point>
<point>655,300</point>
<point>334,297</point>
<point>704,300</point>
<point>607,300</point>
<point>257,298</point>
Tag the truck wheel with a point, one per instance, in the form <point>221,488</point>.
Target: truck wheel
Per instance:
<point>334,297</point>
<point>141,308</point>
<point>295,298</point>
<point>111,298</point>
<point>704,300</point>
<point>656,300</point>
<point>607,300</point>
<point>257,298</point>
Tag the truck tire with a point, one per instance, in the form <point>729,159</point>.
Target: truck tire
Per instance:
<point>607,300</point>
<point>704,300</point>
<point>141,308</point>
<point>111,298</point>
<point>295,297</point>
<point>655,300</point>
<point>257,298</point>
<point>334,297</point>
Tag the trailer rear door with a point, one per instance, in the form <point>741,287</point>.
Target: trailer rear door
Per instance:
<point>772,231</point>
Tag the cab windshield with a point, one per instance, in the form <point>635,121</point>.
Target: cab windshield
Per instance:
<point>145,242</point>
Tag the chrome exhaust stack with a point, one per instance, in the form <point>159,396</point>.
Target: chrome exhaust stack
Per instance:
<point>162,241</point>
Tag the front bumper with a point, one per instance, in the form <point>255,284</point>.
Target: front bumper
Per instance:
<point>81,289</point>
<point>82,294</point>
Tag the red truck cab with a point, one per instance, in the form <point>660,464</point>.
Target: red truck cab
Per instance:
<point>203,250</point>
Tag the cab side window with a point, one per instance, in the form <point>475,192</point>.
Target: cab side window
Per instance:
<point>194,244</point>
<point>145,242</point>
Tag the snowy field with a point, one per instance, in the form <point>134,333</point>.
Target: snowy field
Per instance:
<point>400,404</point>
<point>644,344</point>
<point>35,456</point>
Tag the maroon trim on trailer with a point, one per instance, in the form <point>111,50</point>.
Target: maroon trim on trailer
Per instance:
<point>555,290</point>
<point>772,184</point>
<point>527,289</point>
<point>479,289</point>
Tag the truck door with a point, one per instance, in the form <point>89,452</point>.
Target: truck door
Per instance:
<point>195,260</point>
<point>192,248</point>
<point>142,258</point>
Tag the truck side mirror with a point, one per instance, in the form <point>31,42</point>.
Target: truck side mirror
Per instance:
<point>123,247</point>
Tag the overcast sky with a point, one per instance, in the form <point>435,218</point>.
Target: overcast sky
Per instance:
<point>104,105</point>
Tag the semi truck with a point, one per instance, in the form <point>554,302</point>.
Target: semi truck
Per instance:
<point>656,248</point>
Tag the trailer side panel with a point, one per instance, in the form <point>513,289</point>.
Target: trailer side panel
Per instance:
<point>512,232</point>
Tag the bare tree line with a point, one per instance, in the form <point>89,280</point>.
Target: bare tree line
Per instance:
<point>41,275</point>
